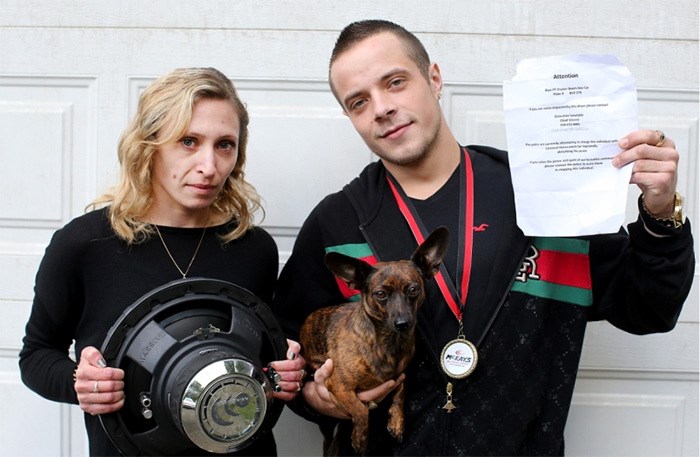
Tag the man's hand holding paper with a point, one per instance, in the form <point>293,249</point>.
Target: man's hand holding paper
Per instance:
<point>654,170</point>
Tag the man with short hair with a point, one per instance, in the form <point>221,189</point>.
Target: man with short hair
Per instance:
<point>495,293</point>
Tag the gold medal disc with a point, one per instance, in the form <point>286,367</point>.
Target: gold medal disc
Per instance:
<point>459,358</point>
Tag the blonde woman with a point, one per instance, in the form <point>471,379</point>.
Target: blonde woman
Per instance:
<point>182,208</point>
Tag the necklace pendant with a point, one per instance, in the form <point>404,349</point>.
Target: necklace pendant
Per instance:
<point>449,406</point>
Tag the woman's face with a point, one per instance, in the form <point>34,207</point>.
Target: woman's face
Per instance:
<point>188,174</point>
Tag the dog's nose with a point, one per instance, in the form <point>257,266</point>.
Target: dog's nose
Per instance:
<point>402,325</point>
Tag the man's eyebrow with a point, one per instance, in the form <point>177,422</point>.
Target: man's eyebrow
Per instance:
<point>392,72</point>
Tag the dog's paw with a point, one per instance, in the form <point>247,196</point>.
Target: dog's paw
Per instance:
<point>395,427</point>
<point>359,442</point>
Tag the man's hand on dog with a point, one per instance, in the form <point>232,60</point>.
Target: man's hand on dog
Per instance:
<point>291,371</point>
<point>317,396</point>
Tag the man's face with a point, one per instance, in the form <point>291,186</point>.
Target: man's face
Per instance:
<point>387,98</point>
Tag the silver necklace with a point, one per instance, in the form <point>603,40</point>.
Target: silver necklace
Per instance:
<point>183,273</point>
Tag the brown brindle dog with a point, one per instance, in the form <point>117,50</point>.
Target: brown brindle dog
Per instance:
<point>373,340</point>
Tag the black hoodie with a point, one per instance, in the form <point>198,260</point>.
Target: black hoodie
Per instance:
<point>527,319</point>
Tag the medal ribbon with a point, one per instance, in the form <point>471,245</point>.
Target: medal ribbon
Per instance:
<point>466,199</point>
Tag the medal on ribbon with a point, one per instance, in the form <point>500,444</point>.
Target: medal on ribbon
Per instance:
<point>459,356</point>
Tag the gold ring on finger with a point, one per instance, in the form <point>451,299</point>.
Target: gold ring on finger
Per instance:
<point>662,137</point>
<point>96,387</point>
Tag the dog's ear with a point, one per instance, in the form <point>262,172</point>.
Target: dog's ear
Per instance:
<point>351,270</point>
<point>431,252</point>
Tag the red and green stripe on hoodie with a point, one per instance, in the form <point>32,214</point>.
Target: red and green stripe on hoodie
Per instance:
<point>555,268</point>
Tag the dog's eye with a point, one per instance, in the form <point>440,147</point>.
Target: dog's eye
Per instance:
<point>413,291</point>
<point>380,295</point>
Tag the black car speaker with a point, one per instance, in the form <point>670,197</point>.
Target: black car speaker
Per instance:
<point>194,354</point>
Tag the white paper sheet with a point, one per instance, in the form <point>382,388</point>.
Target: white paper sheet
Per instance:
<point>564,115</point>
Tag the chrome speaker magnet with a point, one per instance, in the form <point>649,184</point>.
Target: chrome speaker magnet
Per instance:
<point>224,404</point>
<point>193,353</point>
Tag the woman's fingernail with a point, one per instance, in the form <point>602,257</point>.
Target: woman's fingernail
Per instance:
<point>624,142</point>
<point>291,355</point>
<point>102,363</point>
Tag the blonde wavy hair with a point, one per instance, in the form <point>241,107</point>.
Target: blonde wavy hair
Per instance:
<point>163,115</point>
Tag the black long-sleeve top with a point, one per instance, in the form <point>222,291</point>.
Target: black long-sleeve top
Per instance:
<point>88,277</point>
